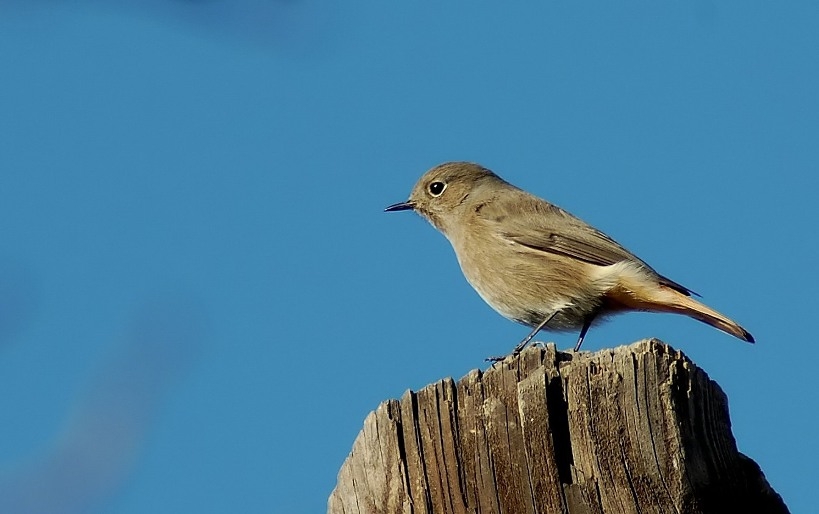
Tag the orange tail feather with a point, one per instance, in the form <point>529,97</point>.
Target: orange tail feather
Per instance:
<point>665,299</point>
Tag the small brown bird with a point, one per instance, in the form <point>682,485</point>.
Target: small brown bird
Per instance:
<point>537,264</point>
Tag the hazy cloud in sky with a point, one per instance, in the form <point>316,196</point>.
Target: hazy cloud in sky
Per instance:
<point>300,25</point>
<point>92,455</point>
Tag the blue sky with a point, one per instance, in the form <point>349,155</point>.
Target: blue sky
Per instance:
<point>202,300</point>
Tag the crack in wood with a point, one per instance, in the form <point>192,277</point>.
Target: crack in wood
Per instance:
<point>633,429</point>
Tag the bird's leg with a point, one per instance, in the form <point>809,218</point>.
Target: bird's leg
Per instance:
<point>521,345</point>
<point>586,324</point>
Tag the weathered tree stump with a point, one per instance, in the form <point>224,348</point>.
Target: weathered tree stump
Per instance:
<point>636,429</point>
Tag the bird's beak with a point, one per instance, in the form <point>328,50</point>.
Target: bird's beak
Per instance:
<point>403,206</point>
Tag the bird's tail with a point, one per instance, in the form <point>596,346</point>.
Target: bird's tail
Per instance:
<point>634,292</point>
<point>682,304</point>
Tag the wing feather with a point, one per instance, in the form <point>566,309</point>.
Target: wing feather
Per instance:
<point>541,226</point>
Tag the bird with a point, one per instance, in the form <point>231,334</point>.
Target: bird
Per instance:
<point>537,264</point>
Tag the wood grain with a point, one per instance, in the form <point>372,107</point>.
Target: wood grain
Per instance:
<point>636,429</point>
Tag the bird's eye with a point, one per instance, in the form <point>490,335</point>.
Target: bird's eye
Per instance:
<point>436,188</point>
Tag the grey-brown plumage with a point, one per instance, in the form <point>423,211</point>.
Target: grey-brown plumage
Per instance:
<point>537,264</point>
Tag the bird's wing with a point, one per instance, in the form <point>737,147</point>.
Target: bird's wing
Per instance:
<point>541,226</point>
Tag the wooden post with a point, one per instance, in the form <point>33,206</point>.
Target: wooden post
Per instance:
<point>636,429</point>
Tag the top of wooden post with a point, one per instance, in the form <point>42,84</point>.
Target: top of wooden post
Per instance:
<point>639,428</point>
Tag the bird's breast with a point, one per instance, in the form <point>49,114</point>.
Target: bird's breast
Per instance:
<point>522,285</point>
